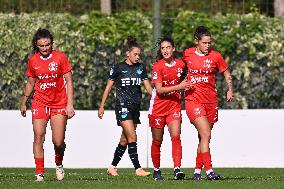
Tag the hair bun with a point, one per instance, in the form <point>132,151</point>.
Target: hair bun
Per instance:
<point>131,42</point>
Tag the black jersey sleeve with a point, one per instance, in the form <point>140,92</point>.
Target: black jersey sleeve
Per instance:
<point>113,72</point>
<point>144,75</point>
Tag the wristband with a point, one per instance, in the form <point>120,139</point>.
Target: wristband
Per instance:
<point>26,96</point>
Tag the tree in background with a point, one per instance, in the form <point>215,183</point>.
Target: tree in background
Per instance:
<point>278,8</point>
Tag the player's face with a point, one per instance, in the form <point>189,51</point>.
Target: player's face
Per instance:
<point>167,50</point>
<point>134,55</point>
<point>204,44</point>
<point>44,46</point>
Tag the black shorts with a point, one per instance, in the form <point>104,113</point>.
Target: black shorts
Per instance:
<point>129,112</point>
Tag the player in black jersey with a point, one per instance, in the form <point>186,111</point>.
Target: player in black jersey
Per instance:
<point>127,77</point>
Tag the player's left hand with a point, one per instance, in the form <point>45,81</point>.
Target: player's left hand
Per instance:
<point>230,96</point>
<point>70,111</point>
<point>23,110</point>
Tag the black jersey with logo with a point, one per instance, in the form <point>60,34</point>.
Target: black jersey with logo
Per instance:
<point>128,80</point>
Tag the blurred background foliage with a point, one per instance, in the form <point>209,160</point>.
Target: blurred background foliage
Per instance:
<point>251,43</point>
<point>82,6</point>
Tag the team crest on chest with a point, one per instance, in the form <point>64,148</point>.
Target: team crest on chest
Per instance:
<point>52,66</point>
<point>207,63</point>
<point>179,72</point>
<point>140,70</point>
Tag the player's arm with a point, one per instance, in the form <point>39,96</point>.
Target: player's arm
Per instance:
<point>148,86</point>
<point>228,78</point>
<point>70,97</point>
<point>163,90</point>
<point>27,93</point>
<point>104,97</point>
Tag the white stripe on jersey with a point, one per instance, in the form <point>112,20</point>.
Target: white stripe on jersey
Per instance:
<point>152,101</point>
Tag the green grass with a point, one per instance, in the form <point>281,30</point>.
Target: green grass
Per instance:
<point>13,178</point>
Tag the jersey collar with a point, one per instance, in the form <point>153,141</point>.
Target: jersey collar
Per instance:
<point>170,65</point>
<point>41,57</point>
<point>199,54</point>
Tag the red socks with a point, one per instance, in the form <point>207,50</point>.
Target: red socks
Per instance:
<point>39,165</point>
<point>199,162</point>
<point>206,156</point>
<point>156,153</point>
<point>58,159</point>
<point>176,151</point>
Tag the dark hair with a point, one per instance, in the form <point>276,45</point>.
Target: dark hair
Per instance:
<point>131,43</point>
<point>159,42</point>
<point>41,33</point>
<point>200,32</point>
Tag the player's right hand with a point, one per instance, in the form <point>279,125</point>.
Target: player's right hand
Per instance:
<point>185,84</point>
<point>101,112</point>
<point>23,110</point>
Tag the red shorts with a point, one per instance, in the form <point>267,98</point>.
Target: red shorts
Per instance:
<point>161,121</point>
<point>43,112</point>
<point>196,109</point>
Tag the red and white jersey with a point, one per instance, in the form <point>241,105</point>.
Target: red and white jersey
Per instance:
<point>201,73</point>
<point>168,75</point>
<point>50,89</point>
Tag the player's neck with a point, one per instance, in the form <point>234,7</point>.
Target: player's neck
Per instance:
<point>169,60</point>
<point>127,61</point>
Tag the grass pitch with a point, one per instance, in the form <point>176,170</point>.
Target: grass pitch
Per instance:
<point>243,178</point>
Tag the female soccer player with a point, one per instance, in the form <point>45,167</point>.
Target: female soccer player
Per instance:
<point>127,76</point>
<point>202,102</point>
<point>165,106</point>
<point>50,72</point>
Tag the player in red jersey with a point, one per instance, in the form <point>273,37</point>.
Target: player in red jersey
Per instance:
<point>165,106</point>
<point>202,102</point>
<point>49,75</point>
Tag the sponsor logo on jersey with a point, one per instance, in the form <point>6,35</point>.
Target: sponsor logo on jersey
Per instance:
<point>198,79</point>
<point>124,71</point>
<point>48,76</point>
<point>48,85</point>
<point>130,81</point>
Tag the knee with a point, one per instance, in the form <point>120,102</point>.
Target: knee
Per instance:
<point>157,138</point>
<point>58,143</point>
<point>205,135</point>
<point>39,139</point>
<point>157,142</point>
<point>131,138</point>
<point>175,138</point>
<point>123,141</point>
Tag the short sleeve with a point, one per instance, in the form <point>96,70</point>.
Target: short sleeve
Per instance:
<point>113,73</point>
<point>30,70</point>
<point>65,64</point>
<point>185,56</point>
<point>144,73</point>
<point>156,74</point>
<point>221,63</point>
